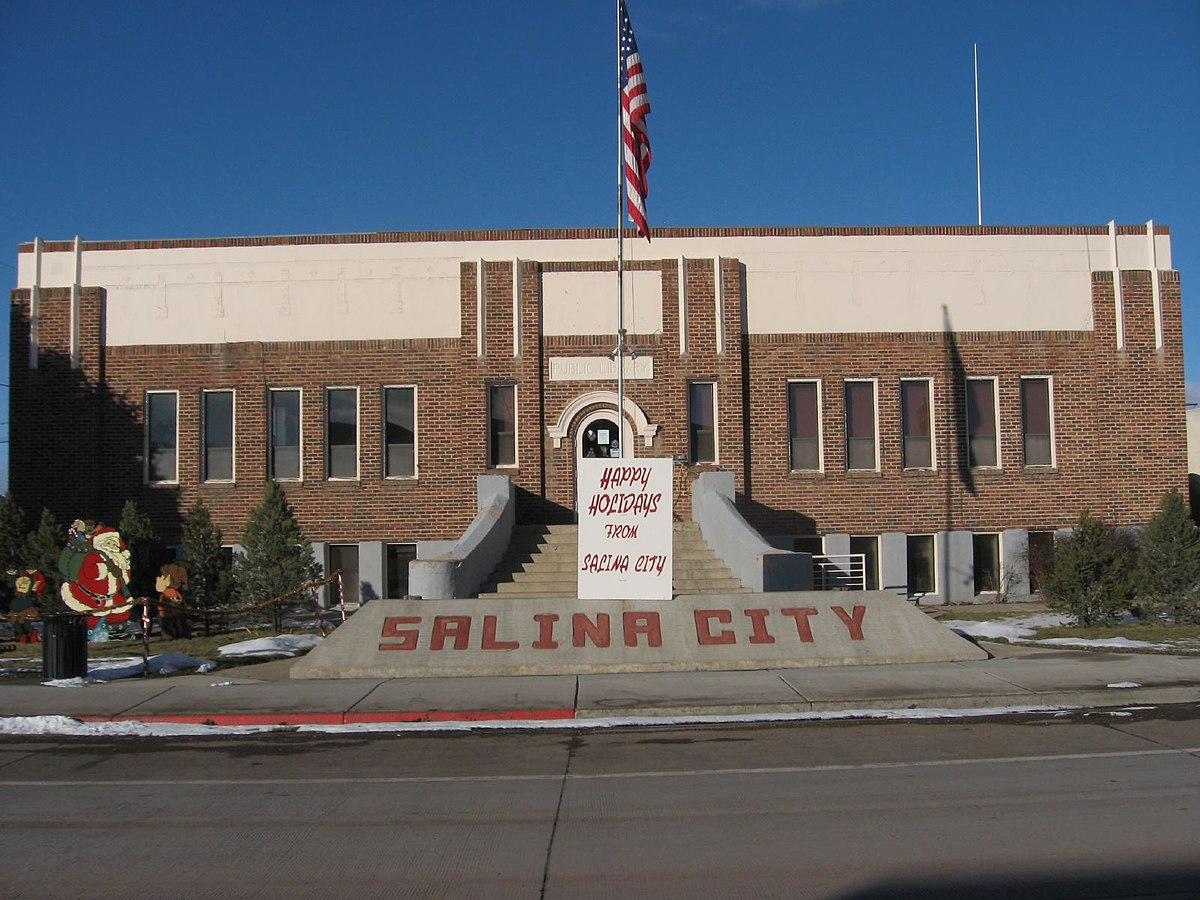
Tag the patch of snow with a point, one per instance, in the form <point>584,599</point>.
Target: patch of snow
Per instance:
<point>63,725</point>
<point>112,668</point>
<point>280,645</point>
<point>1124,684</point>
<point>1101,642</point>
<point>1013,629</point>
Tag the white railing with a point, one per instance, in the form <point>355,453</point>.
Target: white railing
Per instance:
<point>839,572</point>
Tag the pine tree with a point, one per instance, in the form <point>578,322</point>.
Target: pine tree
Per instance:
<point>13,551</point>
<point>1168,578</point>
<point>45,544</point>
<point>1090,580</point>
<point>277,557</point>
<point>206,563</point>
<point>144,549</point>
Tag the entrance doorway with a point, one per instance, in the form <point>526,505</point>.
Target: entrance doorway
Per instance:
<point>599,439</point>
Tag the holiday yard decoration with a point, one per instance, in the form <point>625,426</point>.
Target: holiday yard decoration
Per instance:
<point>95,568</point>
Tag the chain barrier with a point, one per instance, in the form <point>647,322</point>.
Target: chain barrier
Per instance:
<point>147,602</point>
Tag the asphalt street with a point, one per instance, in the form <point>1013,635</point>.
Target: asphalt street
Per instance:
<point>1098,804</point>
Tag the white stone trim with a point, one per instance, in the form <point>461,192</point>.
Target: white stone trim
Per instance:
<point>645,430</point>
<point>1118,298</point>
<point>1155,287</point>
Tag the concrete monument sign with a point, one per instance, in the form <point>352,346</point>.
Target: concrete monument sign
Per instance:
<point>422,638</point>
<point>624,529</point>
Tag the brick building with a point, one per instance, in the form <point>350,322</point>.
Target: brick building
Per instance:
<point>935,398</point>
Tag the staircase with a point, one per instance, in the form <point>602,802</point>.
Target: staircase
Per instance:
<point>542,560</point>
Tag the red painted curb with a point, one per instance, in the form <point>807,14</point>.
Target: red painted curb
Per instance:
<point>348,718</point>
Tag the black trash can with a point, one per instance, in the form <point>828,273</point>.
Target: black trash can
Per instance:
<point>64,646</point>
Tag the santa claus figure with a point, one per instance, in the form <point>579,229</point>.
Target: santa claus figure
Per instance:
<point>95,564</point>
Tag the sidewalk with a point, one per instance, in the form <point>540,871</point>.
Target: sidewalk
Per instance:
<point>264,695</point>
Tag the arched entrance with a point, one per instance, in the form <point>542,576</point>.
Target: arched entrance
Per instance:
<point>599,438</point>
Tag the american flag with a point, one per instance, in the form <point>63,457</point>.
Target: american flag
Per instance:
<point>635,104</point>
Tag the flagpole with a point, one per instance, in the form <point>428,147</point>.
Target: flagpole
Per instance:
<point>620,351</point>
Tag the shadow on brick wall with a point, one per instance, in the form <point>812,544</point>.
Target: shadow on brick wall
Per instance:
<point>76,448</point>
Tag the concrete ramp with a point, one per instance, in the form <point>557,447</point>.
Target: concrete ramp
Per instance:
<point>433,638</point>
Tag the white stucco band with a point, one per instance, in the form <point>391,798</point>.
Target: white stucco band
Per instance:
<point>816,284</point>
<point>645,430</point>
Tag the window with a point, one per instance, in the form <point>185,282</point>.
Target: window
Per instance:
<point>344,558</point>
<point>983,445</point>
<point>1041,558</point>
<point>162,437</point>
<point>702,422</point>
<point>396,562</point>
<point>285,434</point>
<point>804,426</point>
<point>987,563</point>
<point>808,543</point>
<point>869,548</point>
<point>922,570</point>
<point>218,435</point>
<point>1036,421</point>
<point>400,432</point>
<point>917,421</point>
<point>341,432</point>
<point>502,429</point>
<point>860,425</point>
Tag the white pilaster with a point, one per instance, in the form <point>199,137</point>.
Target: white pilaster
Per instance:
<point>1119,302</point>
<point>1155,288</point>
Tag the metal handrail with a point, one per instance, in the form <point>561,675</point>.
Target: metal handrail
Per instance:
<point>839,572</point>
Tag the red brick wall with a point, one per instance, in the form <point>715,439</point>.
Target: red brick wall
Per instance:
<point>77,434</point>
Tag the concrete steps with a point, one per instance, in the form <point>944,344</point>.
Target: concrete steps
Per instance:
<point>542,561</point>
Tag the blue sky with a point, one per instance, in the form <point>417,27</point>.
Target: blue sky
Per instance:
<point>195,119</point>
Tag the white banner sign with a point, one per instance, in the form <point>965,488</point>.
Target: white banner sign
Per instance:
<point>625,529</point>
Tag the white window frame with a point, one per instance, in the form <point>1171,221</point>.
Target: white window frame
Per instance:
<point>204,435</point>
<point>874,382</point>
<point>416,430</point>
<point>387,570</point>
<point>995,380</point>
<point>1049,379</point>
<point>357,433</point>
<point>329,567</point>
<point>820,423</point>
<point>716,413</point>
<point>146,438</point>
<point>934,543</point>
<point>516,463</point>
<point>999,562</point>
<point>299,392</point>
<point>933,458</point>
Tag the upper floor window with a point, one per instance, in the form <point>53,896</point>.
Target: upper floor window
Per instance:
<point>400,432</point>
<point>218,435</point>
<point>341,432</point>
<point>285,434</point>
<point>916,419</point>
<point>860,425</point>
<point>983,441</point>
<point>502,425</point>
<point>1037,422</point>
<point>804,426</point>
<point>702,422</point>
<point>162,436</point>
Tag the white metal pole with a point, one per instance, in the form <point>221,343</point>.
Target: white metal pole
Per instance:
<point>620,246</point>
<point>978,167</point>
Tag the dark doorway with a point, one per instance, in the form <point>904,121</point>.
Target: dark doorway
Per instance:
<point>600,440</point>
